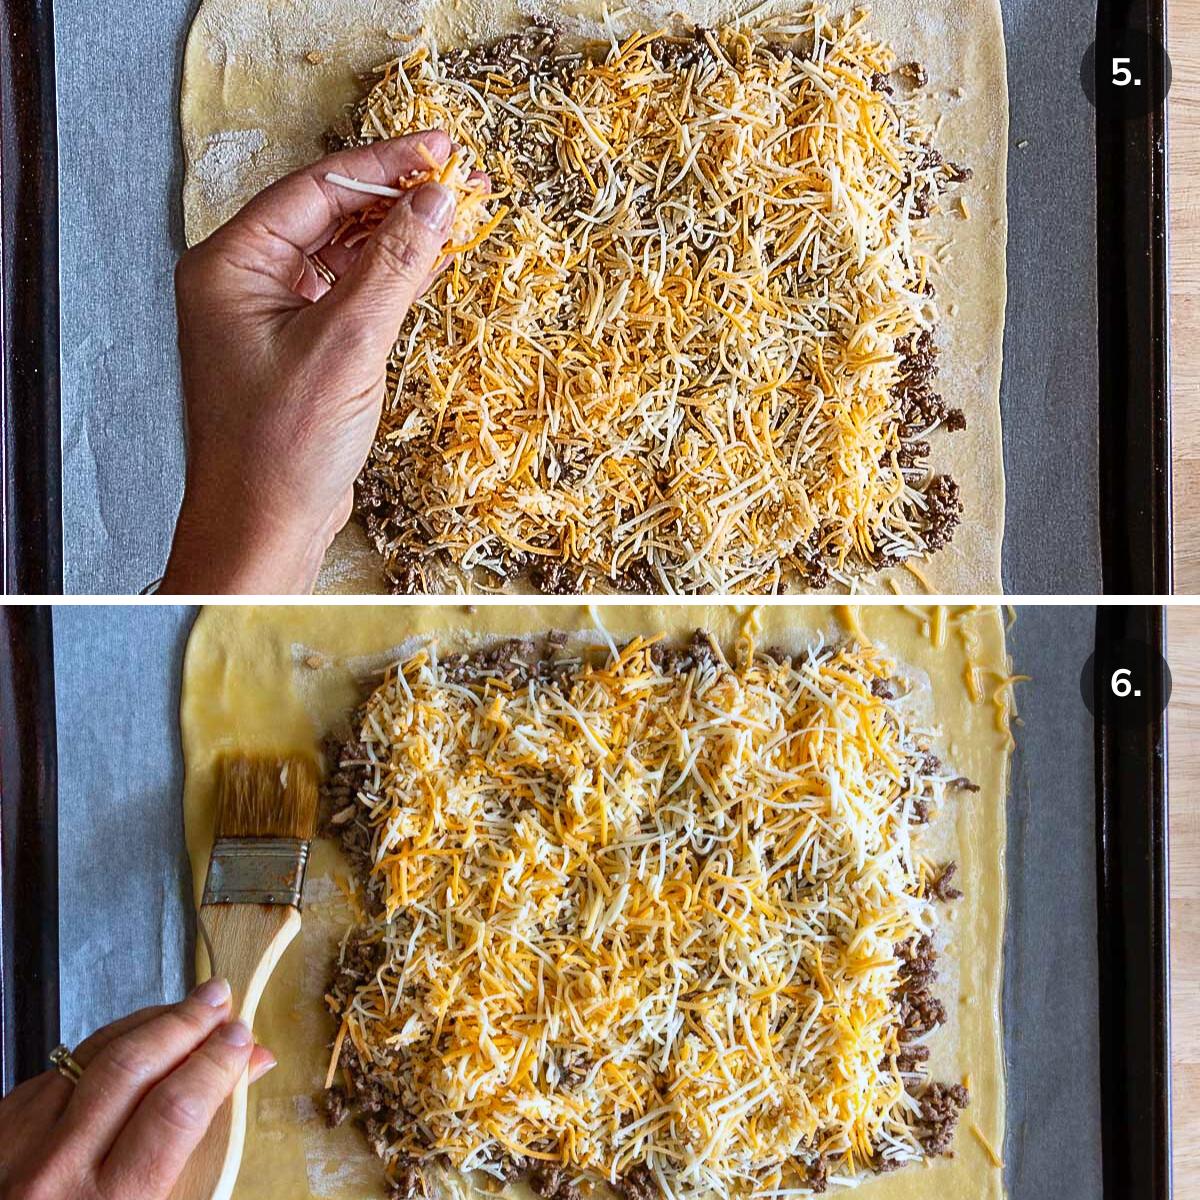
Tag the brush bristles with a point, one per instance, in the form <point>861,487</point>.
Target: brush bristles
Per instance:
<point>267,797</point>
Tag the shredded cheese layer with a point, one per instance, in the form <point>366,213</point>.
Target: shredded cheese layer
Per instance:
<point>678,361</point>
<point>641,913</point>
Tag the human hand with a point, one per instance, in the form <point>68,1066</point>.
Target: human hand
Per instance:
<point>283,374</point>
<point>151,1085</point>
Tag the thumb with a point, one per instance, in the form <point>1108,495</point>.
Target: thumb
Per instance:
<point>375,294</point>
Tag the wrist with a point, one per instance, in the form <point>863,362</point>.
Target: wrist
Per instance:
<point>219,552</point>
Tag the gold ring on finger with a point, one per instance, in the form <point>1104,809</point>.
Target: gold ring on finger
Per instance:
<point>64,1062</point>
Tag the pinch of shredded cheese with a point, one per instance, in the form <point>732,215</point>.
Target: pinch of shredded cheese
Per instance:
<point>686,377</point>
<point>630,916</point>
<point>470,211</point>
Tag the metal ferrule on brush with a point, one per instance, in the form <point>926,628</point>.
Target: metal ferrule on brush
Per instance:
<point>256,871</point>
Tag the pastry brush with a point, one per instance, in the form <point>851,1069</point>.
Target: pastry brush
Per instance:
<point>250,912</point>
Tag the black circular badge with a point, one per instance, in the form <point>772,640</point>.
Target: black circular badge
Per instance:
<point>1125,73</point>
<point>1128,682</point>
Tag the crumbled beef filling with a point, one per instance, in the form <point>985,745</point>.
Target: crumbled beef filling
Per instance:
<point>940,887</point>
<point>555,578</point>
<point>943,511</point>
<point>681,53</point>
<point>941,1105</point>
<point>918,960</point>
<point>335,1107</point>
<point>512,1167</point>
<point>817,1174</point>
<point>920,406</point>
<point>920,1012</point>
<point>639,1184</point>
<point>639,579</point>
<point>408,1180</point>
<point>552,1183</point>
<point>698,655</point>
<point>911,1058</point>
<point>518,56</point>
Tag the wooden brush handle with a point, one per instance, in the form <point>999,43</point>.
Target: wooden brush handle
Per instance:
<point>244,943</point>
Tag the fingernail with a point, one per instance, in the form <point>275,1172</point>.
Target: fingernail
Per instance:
<point>433,205</point>
<point>214,992</point>
<point>236,1033</point>
<point>268,1065</point>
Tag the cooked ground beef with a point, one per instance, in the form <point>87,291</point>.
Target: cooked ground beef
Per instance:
<point>512,1167</point>
<point>552,1183</point>
<point>555,578</point>
<point>941,1105</point>
<point>940,887</point>
<point>335,1107</point>
<point>408,1180</point>
<point>698,655</point>
<point>911,1057</point>
<point>680,53</point>
<point>639,1184</point>
<point>638,579</point>
<point>817,1176</point>
<point>918,961</point>
<point>920,1013</point>
<point>943,511</point>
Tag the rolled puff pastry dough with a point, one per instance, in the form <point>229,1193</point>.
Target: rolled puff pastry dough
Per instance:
<point>279,679</point>
<point>263,82</point>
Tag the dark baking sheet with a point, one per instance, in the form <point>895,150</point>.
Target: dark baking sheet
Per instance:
<point>118,81</point>
<point>1134,329</point>
<point>1085,941</point>
<point>31,536</point>
<point>29,962</point>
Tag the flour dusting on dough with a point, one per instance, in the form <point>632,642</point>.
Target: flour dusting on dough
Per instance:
<point>226,157</point>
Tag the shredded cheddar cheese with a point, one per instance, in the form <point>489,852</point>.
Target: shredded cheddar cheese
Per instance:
<point>677,359</point>
<point>625,912</point>
<point>471,222</point>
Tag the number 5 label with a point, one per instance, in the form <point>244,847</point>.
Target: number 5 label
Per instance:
<point>1122,76</point>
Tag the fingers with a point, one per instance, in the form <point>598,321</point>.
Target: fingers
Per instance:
<point>58,1090</point>
<point>261,1061</point>
<point>90,1047</point>
<point>172,1117</point>
<point>336,257</point>
<point>129,1065</point>
<point>34,1104</point>
<point>377,290</point>
<point>302,210</point>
